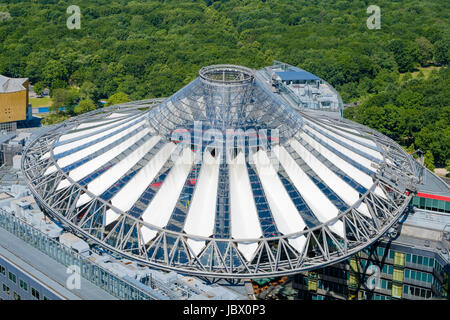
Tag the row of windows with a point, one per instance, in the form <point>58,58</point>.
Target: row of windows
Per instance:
<point>419,276</point>
<point>418,292</point>
<point>332,286</point>
<point>377,296</point>
<point>399,257</point>
<point>333,272</point>
<point>425,261</point>
<point>22,284</point>
<point>431,204</point>
<point>6,290</point>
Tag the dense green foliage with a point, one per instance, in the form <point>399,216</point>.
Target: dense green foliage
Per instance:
<point>414,112</point>
<point>152,48</point>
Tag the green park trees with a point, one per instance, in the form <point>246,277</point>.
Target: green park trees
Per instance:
<point>147,49</point>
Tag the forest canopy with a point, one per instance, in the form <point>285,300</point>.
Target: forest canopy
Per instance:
<point>145,49</point>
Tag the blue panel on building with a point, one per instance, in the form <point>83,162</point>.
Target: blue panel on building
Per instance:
<point>296,75</point>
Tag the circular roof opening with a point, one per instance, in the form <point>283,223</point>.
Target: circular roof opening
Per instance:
<point>226,74</point>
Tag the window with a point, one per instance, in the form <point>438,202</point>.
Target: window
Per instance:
<point>35,293</point>
<point>397,291</point>
<point>430,278</point>
<point>407,273</point>
<point>12,277</point>
<point>418,275</point>
<point>2,270</point>
<point>23,285</point>
<point>16,296</point>
<point>431,262</point>
<point>422,293</point>
<point>424,277</point>
<point>405,289</point>
<point>5,289</point>
<point>425,261</point>
<point>391,254</point>
<point>414,258</point>
<point>419,259</point>
<point>390,270</point>
<point>408,257</point>
<point>399,259</point>
<point>398,275</point>
<point>45,298</point>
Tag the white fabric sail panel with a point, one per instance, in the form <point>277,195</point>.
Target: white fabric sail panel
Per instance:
<point>356,136</point>
<point>298,243</point>
<point>90,124</point>
<point>195,245</point>
<point>116,115</point>
<point>320,205</point>
<point>93,164</point>
<point>247,249</point>
<point>111,216</point>
<point>332,180</point>
<point>148,233</point>
<point>349,153</point>
<point>50,170</point>
<point>361,177</point>
<point>161,207</point>
<point>71,158</point>
<point>284,212</point>
<point>244,216</point>
<point>93,130</point>
<point>80,142</point>
<point>63,184</point>
<point>101,183</point>
<point>45,156</point>
<point>364,210</point>
<point>130,193</point>
<point>361,147</point>
<point>202,211</point>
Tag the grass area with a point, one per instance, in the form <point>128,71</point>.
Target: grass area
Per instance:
<point>426,71</point>
<point>41,102</point>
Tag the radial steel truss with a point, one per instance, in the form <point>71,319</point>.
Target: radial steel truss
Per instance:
<point>220,258</point>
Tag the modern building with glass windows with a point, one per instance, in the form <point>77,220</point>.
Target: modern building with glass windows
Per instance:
<point>411,262</point>
<point>240,174</point>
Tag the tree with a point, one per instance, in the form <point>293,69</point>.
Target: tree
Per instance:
<point>429,160</point>
<point>53,71</point>
<point>39,87</point>
<point>117,98</point>
<point>84,106</point>
<point>442,52</point>
<point>425,50</point>
<point>404,53</point>
<point>88,91</point>
<point>64,98</point>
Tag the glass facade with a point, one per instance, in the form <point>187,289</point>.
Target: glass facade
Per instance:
<point>64,255</point>
<point>431,204</point>
<point>400,275</point>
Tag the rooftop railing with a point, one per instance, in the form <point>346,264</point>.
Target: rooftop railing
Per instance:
<point>92,272</point>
